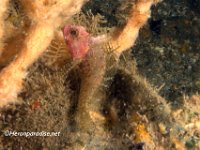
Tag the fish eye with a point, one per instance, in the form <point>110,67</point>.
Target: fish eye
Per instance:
<point>74,32</point>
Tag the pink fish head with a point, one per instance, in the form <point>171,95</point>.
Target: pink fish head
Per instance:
<point>77,40</point>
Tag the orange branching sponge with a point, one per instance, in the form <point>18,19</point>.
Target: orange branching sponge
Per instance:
<point>125,38</point>
<point>46,16</point>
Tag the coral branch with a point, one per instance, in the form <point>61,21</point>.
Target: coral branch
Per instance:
<point>11,77</point>
<point>125,38</point>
